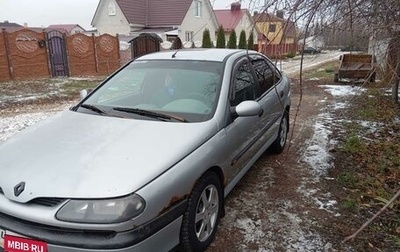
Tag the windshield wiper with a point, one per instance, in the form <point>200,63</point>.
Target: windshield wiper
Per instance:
<point>93,108</point>
<point>151,114</point>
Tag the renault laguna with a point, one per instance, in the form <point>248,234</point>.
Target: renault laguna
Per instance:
<point>144,161</point>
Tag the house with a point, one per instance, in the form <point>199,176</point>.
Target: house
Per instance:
<point>68,29</point>
<point>236,19</point>
<point>276,28</point>
<point>13,27</point>
<point>186,19</point>
<point>10,27</point>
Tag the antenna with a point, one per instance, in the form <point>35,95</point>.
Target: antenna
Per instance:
<point>173,55</point>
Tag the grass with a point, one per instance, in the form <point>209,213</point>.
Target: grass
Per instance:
<point>67,88</point>
<point>353,144</point>
<point>348,179</point>
<point>72,88</point>
<point>325,71</point>
<point>349,204</point>
<point>375,106</point>
<point>370,168</point>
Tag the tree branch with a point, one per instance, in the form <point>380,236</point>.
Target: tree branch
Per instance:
<point>353,236</point>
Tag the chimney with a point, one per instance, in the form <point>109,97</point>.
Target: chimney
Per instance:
<point>279,14</point>
<point>235,6</point>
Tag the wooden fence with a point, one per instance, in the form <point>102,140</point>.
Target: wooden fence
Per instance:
<point>278,50</point>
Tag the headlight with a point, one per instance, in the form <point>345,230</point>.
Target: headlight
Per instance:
<point>102,211</point>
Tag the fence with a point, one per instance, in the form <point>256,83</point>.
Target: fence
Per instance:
<point>27,54</point>
<point>279,50</point>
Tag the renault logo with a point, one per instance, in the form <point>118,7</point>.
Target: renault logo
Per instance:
<point>18,189</point>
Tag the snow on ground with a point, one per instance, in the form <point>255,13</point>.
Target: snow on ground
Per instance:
<point>343,90</point>
<point>292,66</point>
<point>317,155</point>
<point>11,125</point>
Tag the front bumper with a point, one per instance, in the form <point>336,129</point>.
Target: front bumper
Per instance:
<point>160,234</point>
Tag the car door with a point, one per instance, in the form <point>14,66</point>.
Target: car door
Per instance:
<point>246,135</point>
<point>272,90</point>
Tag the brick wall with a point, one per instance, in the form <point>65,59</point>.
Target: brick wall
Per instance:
<point>24,54</point>
<point>108,54</point>
<point>4,71</point>
<point>81,55</point>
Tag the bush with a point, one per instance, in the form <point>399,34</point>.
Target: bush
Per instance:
<point>242,40</point>
<point>232,40</point>
<point>221,37</point>
<point>290,55</point>
<point>206,39</point>
<point>250,42</point>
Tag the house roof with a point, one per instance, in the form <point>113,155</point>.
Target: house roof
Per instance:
<point>10,27</point>
<point>290,30</point>
<point>64,27</point>
<point>267,17</point>
<point>7,24</point>
<point>18,28</point>
<point>155,13</point>
<point>229,19</point>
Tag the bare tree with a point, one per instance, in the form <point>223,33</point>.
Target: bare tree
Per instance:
<point>350,24</point>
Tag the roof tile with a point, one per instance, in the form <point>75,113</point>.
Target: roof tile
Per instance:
<point>229,18</point>
<point>155,13</point>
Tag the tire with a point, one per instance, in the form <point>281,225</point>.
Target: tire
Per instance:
<point>279,144</point>
<point>202,215</point>
<point>372,78</point>
<point>336,78</point>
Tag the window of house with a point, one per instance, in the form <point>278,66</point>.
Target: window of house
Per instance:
<point>244,87</point>
<point>171,38</point>
<point>189,35</point>
<point>198,8</point>
<point>111,9</point>
<point>272,28</point>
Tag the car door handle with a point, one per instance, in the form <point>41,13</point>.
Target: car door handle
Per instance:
<point>282,94</point>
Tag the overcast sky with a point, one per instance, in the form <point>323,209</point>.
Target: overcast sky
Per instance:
<point>42,13</point>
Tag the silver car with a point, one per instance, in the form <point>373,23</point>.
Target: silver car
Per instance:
<point>144,161</point>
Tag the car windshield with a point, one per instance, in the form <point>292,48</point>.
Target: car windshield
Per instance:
<point>168,89</point>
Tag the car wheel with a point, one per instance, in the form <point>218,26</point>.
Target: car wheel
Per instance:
<point>201,218</point>
<point>279,144</point>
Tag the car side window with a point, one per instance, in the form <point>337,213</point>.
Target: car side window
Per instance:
<point>244,86</point>
<point>266,74</point>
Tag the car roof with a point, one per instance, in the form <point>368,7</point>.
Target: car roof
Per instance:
<point>196,54</point>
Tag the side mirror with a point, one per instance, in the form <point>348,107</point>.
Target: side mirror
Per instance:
<point>83,93</point>
<point>248,108</point>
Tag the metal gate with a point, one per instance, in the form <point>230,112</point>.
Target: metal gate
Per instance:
<point>145,43</point>
<point>58,54</point>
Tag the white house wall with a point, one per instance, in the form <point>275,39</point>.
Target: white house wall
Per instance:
<point>197,25</point>
<point>77,30</point>
<point>247,25</point>
<point>116,24</point>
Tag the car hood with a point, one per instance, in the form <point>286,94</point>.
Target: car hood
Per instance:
<point>76,155</point>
